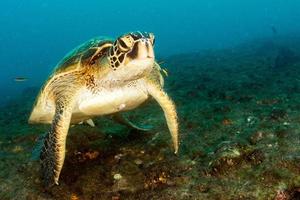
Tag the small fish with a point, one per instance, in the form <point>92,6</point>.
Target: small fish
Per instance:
<point>21,79</point>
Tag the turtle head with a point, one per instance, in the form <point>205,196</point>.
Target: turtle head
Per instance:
<point>132,55</point>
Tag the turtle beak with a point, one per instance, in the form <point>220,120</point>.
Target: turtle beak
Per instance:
<point>145,50</point>
<point>150,51</point>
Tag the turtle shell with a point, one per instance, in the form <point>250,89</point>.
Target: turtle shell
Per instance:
<point>88,51</point>
<point>72,61</point>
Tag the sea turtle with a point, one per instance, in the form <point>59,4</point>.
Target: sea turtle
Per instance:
<point>102,76</point>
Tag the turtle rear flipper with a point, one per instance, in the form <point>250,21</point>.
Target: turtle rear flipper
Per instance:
<point>124,121</point>
<point>53,151</point>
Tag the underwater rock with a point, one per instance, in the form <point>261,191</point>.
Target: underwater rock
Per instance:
<point>232,156</point>
<point>127,184</point>
<point>282,195</point>
<point>282,133</point>
<point>85,156</point>
<point>156,180</point>
<point>295,193</point>
<point>227,122</point>
<point>203,188</point>
<point>278,114</point>
<point>251,120</point>
<point>267,101</point>
<point>256,137</point>
<point>127,176</point>
<point>118,177</point>
<point>138,162</point>
<point>289,194</point>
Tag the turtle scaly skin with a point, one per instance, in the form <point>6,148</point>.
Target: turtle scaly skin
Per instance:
<point>100,77</point>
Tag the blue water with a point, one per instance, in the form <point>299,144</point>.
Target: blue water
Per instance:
<point>36,34</point>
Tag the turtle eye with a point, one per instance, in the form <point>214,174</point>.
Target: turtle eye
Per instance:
<point>125,43</point>
<point>152,38</point>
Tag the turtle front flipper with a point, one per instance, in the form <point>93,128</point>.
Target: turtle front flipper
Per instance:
<point>124,121</point>
<point>53,151</point>
<point>169,110</point>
